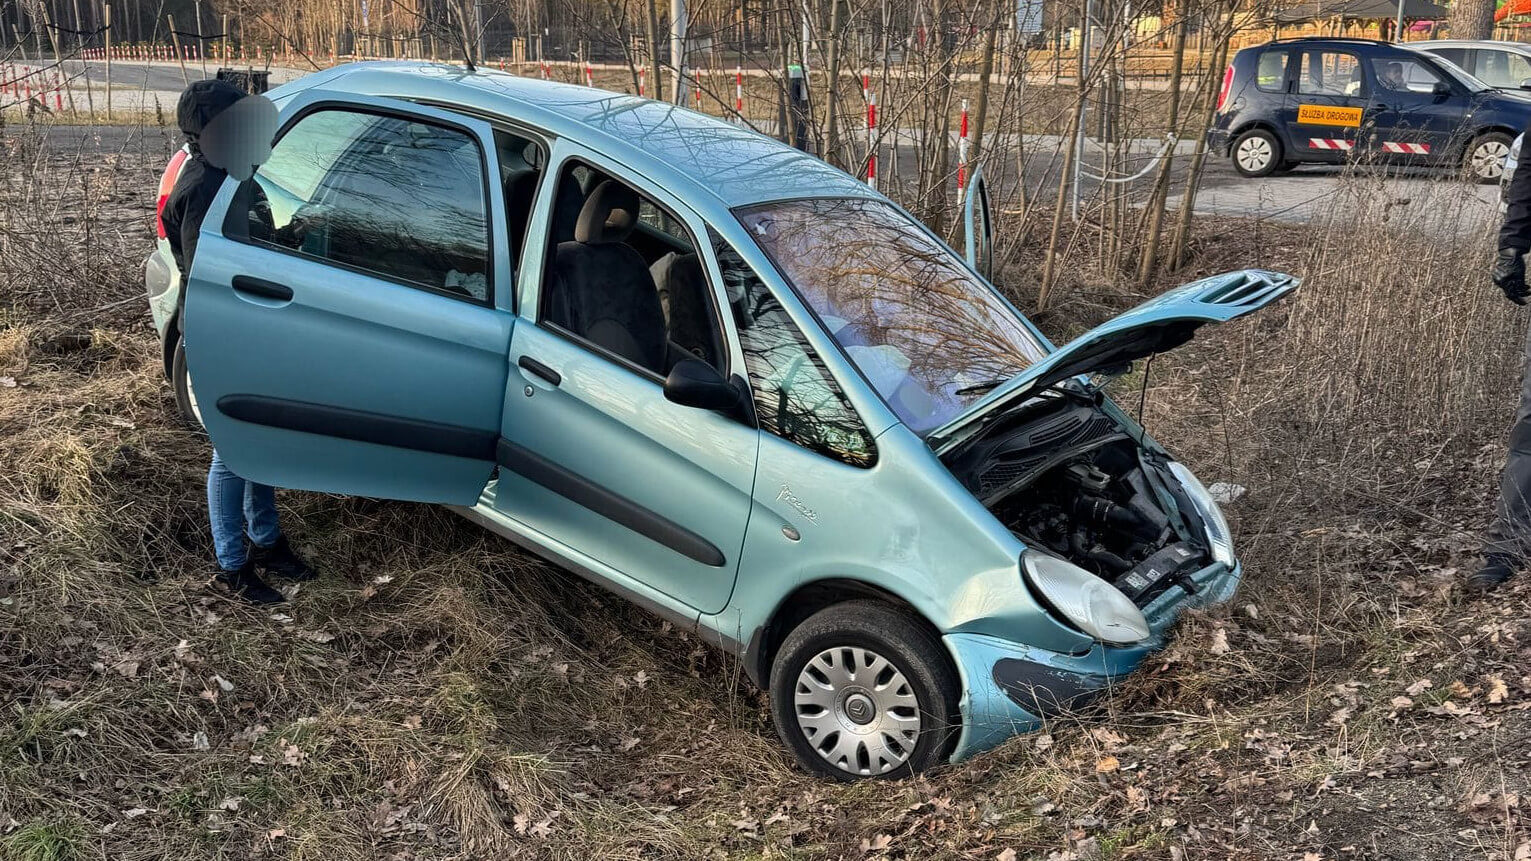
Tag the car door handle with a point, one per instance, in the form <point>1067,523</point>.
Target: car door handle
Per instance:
<point>536,368</point>
<point>262,288</point>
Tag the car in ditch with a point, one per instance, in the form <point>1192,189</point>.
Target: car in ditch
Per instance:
<point>717,376</point>
<point>1333,101</point>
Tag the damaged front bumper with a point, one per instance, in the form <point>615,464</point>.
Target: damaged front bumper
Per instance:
<point>1010,688</point>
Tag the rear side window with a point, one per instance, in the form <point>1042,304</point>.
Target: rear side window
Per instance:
<point>1331,73</point>
<point>1270,72</point>
<point>399,198</point>
<point>1455,55</point>
<point>1501,68</point>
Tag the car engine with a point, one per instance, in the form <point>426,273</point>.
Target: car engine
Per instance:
<point>1063,475</point>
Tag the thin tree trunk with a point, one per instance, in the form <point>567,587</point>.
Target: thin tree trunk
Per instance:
<point>1160,195</point>
<point>1209,93</point>
<point>1050,262</point>
<point>985,73</point>
<point>655,85</point>
<point>831,114</point>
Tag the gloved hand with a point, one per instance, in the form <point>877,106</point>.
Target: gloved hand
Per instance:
<point>1509,274</point>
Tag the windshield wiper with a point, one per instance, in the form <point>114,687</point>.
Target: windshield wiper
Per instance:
<point>980,388</point>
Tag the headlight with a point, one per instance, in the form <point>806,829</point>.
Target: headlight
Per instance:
<point>1090,603</point>
<point>1218,536</point>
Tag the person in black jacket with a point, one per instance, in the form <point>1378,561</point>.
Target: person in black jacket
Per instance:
<point>1509,545</point>
<point>236,507</point>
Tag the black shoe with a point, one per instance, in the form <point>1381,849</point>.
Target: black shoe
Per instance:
<point>243,583</point>
<point>278,560</point>
<point>1497,568</point>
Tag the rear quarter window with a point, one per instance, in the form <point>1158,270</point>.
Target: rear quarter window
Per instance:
<point>1270,71</point>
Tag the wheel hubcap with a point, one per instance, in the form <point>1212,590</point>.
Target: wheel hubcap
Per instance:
<point>857,710</point>
<point>1488,159</point>
<point>1254,154</point>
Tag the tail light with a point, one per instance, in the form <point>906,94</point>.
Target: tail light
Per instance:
<point>1222,95</point>
<point>166,185</point>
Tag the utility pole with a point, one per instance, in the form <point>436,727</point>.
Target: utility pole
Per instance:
<point>678,26</point>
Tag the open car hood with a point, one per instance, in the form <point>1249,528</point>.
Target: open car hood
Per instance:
<point>1162,323</point>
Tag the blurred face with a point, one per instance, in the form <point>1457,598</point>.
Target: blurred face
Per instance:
<point>239,139</point>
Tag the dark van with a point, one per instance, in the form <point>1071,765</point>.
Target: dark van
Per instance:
<point>1327,101</point>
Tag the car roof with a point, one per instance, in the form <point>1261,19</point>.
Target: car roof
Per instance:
<point>689,153</point>
<point>1517,47</point>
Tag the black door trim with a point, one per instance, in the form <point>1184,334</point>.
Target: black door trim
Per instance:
<point>656,527</point>
<point>361,426</point>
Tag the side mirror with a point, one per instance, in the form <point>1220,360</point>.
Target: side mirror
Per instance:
<point>694,383</point>
<point>1526,84</point>
<point>1441,88</point>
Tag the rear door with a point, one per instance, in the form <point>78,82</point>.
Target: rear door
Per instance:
<point>348,314</point>
<point>1326,109</point>
<point>1416,111</point>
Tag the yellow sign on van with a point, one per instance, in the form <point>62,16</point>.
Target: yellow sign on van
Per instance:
<point>1329,115</point>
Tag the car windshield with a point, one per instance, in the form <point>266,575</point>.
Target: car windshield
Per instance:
<point>931,337</point>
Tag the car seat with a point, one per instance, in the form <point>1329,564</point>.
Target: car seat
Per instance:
<point>683,297</point>
<point>601,289</point>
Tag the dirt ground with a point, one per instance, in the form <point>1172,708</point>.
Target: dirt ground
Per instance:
<point>438,694</point>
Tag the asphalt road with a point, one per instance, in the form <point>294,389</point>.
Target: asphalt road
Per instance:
<point>1309,193</point>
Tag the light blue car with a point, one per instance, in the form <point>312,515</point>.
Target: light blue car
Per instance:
<point>718,377</point>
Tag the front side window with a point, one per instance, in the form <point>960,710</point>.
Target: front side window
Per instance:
<point>1270,72</point>
<point>1405,76</point>
<point>395,197</point>
<point>929,336</point>
<point>1501,68</point>
<point>1330,73</point>
<point>795,396</point>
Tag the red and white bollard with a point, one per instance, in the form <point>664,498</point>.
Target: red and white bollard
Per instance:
<point>696,98</point>
<point>739,93</point>
<point>962,155</point>
<point>546,75</point>
<point>871,98</point>
<point>642,81</point>
<point>589,76</point>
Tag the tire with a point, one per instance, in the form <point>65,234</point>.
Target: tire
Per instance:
<point>1484,160</point>
<point>868,659</point>
<point>185,396</point>
<point>1256,153</point>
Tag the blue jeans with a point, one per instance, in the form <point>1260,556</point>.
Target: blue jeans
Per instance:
<point>236,506</point>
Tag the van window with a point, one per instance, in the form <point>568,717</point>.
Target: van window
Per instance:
<point>1331,73</point>
<point>1270,72</point>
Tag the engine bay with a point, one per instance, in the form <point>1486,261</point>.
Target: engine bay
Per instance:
<point>1065,476</point>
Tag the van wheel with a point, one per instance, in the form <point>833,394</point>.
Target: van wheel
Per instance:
<point>862,689</point>
<point>1486,156</point>
<point>185,395</point>
<point>1256,153</point>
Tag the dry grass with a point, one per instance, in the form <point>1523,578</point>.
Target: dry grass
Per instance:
<point>438,694</point>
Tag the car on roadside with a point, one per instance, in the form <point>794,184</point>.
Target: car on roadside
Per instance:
<point>1332,101</point>
<point>718,377</point>
<point>1502,65</point>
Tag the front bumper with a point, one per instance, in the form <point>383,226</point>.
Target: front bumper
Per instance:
<point>1010,688</point>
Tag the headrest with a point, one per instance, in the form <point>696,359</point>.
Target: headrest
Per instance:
<point>609,214</point>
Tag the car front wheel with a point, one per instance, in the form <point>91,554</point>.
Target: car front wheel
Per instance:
<point>185,395</point>
<point>1486,156</point>
<point>862,689</point>
<point>1256,153</point>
